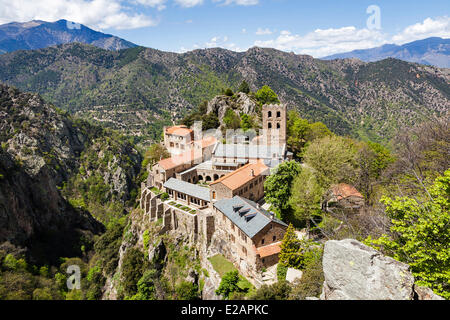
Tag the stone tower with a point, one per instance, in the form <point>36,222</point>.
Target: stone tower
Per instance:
<point>274,124</point>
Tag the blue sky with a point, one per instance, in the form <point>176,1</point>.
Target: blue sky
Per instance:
<point>318,28</point>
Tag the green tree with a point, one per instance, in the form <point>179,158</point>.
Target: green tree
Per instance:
<point>155,153</point>
<point>244,87</point>
<point>146,286</point>
<point>306,197</point>
<point>132,269</point>
<point>210,121</point>
<point>266,95</point>
<point>229,284</point>
<point>231,119</point>
<point>276,291</point>
<point>278,186</point>
<point>290,254</point>
<point>187,291</point>
<point>420,235</point>
<point>228,92</point>
<point>334,160</point>
<point>246,122</point>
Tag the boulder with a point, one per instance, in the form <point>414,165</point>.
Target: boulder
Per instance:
<point>293,274</point>
<point>423,293</point>
<point>354,271</point>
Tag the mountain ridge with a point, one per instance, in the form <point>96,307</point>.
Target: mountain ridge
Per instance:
<point>38,34</point>
<point>430,51</point>
<point>351,97</point>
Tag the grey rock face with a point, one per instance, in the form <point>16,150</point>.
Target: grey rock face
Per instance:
<point>354,271</point>
<point>242,103</point>
<point>424,293</point>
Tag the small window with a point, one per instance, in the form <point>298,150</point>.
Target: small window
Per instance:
<point>278,126</point>
<point>270,125</point>
<point>274,238</point>
<point>269,114</point>
<point>263,260</point>
<point>262,241</point>
<point>278,114</point>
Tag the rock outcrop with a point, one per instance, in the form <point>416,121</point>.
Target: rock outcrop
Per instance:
<point>241,103</point>
<point>354,271</point>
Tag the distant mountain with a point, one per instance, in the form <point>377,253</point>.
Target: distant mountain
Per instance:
<point>40,34</point>
<point>431,51</point>
<point>369,100</point>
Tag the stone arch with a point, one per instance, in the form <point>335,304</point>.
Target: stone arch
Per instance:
<point>208,179</point>
<point>200,178</point>
<point>216,177</point>
<point>270,125</point>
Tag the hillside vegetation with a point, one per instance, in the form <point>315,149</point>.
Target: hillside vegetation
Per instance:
<point>369,100</point>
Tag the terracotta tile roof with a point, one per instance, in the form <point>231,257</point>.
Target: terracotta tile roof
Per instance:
<point>343,190</point>
<point>241,176</point>
<point>175,161</point>
<point>205,142</point>
<point>269,250</point>
<point>179,131</point>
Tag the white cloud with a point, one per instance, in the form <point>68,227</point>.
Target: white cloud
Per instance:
<point>324,42</point>
<point>321,42</point>
<point>238,2</point>
<point>438,27</point>
<point>189,3</point>
<point>97,14</point>
<point>262,32</point>
<point>159,4</point>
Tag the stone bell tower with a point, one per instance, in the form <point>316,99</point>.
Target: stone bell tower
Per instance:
<point>274,124</point>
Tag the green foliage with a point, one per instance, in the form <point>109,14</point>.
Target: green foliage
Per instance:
<point>300,132</point>
<point>146,286</point>
<point>281,272</point>
<point>276,291</point>
<point>231,119</point>
<point>155,153</point>
<point>291,255</point>
<point>244,87</point>
<point>310,285</point>
<point>187,291</point>
<point>107,246</point>
<point>334,160</point>
<point>228,92</point>
<point>278,186</point>
<point>131,271</point>
<point>420,235</point>
<point>306,197</point>
<point>229,284</point>
<point>247,122</point>
<point>266,95</point>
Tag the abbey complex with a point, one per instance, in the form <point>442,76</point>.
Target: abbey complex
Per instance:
<point>216,191</point>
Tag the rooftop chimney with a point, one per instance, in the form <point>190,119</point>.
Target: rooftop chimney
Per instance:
<point>253,173</point>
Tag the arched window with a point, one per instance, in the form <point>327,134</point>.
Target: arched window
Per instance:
<point>270,125</point>
<point>269,114</point>
<point>216,177</point>
<point>279,114</point>
<point>278,126</point>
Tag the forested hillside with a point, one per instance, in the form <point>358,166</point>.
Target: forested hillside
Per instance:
<point>369,100</point>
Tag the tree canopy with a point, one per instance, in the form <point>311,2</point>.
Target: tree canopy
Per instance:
<point>420,235</point>
<point>266,95</point>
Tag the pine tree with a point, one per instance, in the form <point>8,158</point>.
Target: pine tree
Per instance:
<point>291,255</point>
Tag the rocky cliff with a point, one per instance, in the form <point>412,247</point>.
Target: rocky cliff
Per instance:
<point>41,151</point>
<point>354,271</point>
